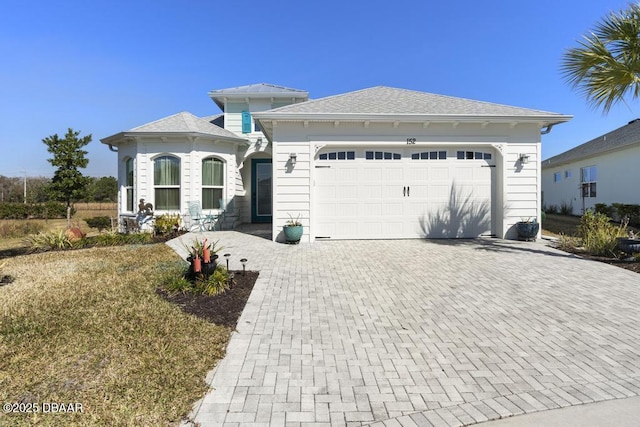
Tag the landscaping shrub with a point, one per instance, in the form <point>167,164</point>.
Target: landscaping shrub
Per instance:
<point>99,222</point>
<point>49,241</point>
<point>603,208</point>
<point>598,234</point>
<point>618,211</point>
<point>551,209</point>
<point>179,281</point>
<point>630,211</point>
<point>167,223</point>
<point>566,208</point>
<point>39,211</point>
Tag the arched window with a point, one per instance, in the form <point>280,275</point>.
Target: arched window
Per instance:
<point>128,182</point>
<point>166,181</point>
<point>212,183</point>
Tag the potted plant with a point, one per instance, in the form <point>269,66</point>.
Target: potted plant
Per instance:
<point>629,244</point>
<point>202,257</point>
<point>527,229</point>
<point>293,230</point>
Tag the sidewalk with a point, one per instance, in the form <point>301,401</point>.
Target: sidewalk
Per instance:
<point>619,413</point>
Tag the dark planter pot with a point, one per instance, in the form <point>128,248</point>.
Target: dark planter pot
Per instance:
<point>206,268</point>
<point>292,233</point>
<point>628,246</point>
<point>527,231</point>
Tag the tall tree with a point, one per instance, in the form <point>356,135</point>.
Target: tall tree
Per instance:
<point>68,183</point>
<point>606,66</point>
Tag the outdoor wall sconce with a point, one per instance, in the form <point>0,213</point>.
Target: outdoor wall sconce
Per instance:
<point>259,142</point>
<point>293,157</point>
<point>524,159</point>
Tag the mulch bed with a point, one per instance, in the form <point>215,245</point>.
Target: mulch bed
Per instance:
<point>622,263</point>
<point>223,309</point>
<point>626,263</point>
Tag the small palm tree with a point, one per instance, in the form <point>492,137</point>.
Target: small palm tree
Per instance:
<point>606,66</point>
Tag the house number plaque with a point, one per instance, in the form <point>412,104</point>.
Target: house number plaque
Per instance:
<point>411,140</point>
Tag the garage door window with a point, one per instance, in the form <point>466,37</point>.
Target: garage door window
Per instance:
<point>429,155</point>
<point>338,155</point>
<point>473,155</point>
<point>382,155</point>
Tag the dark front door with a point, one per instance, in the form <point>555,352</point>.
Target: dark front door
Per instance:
<point>261,190</point>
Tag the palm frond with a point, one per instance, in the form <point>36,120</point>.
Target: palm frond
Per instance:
<point>605,67</point>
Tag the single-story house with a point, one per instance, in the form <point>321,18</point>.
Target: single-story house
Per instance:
<point>603,170</point>
<point>371,164</point>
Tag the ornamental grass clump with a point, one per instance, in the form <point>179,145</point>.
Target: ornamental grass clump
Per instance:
<point>599,235</point>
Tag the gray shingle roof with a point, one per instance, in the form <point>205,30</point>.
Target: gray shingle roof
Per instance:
<point>265,88</point>
<point>389,101</point>
<point>624,136</point>
<point>184,122</point>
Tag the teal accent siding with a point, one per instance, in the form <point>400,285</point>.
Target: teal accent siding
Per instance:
<point>246,122</point>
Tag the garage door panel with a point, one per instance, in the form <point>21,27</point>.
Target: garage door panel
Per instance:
<point>438,173</point>
<point>373,175</point>
<point>346,174</point>
<point>406,198</point>
<point>346,192</point>
<point>393,174</point>
<point>346,210</point>
<point>370,192</point>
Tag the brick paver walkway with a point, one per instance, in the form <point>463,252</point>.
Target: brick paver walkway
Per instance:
<point>411,332</point>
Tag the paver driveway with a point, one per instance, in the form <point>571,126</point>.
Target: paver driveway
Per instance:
<point>416,332</point>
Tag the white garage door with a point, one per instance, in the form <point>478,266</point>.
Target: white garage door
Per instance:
<point>402,193</point>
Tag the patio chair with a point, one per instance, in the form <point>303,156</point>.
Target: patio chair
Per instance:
<point>200,221</point>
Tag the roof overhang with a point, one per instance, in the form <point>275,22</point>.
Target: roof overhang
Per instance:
<point>124,137</point>
<point>266,119</point>
<point>220,97</point>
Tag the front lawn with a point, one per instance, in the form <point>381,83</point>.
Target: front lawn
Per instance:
<point>556,225</point>
<point>88,327</point>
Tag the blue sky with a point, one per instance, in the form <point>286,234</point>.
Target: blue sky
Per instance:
<point>102,67</point>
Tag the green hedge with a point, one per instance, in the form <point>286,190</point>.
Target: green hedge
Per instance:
<point>37,211</point>
<point>617,211</point>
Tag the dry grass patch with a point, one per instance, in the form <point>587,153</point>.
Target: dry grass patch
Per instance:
<point>87,326</point>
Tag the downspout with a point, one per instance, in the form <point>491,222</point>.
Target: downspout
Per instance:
<point>115,150</point>
<point>547,130</point>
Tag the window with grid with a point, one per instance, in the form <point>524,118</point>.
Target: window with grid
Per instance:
<point>588,177</point>
<point>166,181</point>
<point>212,182</point>
<point>128,183</point>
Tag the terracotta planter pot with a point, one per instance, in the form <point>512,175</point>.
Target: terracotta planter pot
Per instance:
<point>197,265</point>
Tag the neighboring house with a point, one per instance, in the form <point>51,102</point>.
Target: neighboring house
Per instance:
<point>603,170</point>
<point>371,164</point>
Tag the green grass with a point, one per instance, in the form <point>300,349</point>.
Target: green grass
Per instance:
<point>555,225</point>
<point>86,326</point>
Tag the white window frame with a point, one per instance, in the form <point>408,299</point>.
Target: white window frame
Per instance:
<point>207,187</point>
<point>129,180</point>
<point>588,181</point>
<point>167,186</point>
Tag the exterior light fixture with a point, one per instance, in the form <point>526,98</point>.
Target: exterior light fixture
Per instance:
<point>293,157</point>
<point>259,141</point>
<point>244,266</point>
<point>523,158</point>
<point>226,256</point>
